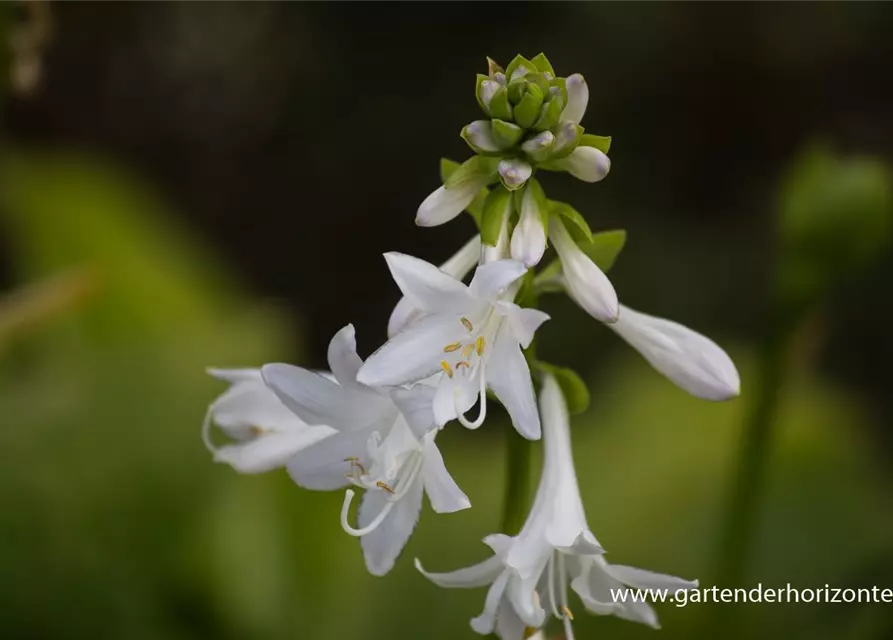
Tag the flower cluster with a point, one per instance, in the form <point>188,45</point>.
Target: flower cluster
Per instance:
<point>373,425</point>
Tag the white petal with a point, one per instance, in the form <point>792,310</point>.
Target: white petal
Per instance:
<point>509,378</point>
<point>691,360</point>
<point>455,395</point>
<point>458,266</point>
<point>509,626</point>
<point>577,98</point>
<point>514,172</point>
<point>521,592</point>
<point>416,406</point>
<point>491,279</point>
<point>429,288</point>
<point>477,575</point>
<point>412,354</point>
<point>404,314</point>
<point>445,204</point>
<point>523,321</point>
<point>642,579</point>
<point>500,543</point>
<point>485,623</point>
<point>586,163</point>
<point>586,283</point>
<point>343,358</point>
<point>322,467</point>
<point>443,492</point>
<point>249,404</point>
<point>319,401</point>
<point>269,451</point>
<point>383,545</point>
<point>235,375</point>
<point>529,235</point>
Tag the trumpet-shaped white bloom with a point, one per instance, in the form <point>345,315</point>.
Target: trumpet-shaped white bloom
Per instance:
<point>458,266</point>
<point>586,283</point>
<point>473,334</point>
<point>689,359</point>
<point>529,574</point>
<point>265,433</point>
<point>382,442</point>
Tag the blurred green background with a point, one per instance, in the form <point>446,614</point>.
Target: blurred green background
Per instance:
<point>185,185</point>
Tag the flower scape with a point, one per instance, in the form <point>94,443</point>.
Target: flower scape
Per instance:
<point>372,426</point>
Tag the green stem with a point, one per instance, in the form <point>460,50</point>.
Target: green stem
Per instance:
<point>517,482</point>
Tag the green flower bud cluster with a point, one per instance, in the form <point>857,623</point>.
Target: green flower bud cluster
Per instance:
<point>525,103</point>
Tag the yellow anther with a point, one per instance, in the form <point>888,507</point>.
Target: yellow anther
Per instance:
<point>479,345</point>
<point>257,431</point>
<point>567,612</point>
<point>467,324</point>
<point>466,351</point>
<point>452,347</point>
<point>529,632</point>
<point>355,464</point>
<point>463,363</point>
<point>382,485</point>
<point>351,459</point>
<point>446,367</point>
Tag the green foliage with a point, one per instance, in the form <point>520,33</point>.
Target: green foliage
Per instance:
<point>835,217</point>
<point>496,207</point>
<point>580,228</point>
<point>542,64</point>
<point>476,208</point>
<point>602,143</point>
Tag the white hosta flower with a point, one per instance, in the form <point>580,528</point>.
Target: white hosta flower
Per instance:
<point>265,433</point>
<point>577,99</point>
<point>689,359</point>
<point>473,334</point>
<point>586,283</point>
<point>529,573</point>
<point>529,235</point>
<point>514,172</point>
<point>457,266</point>
<point>383,442</point>
<point>585,163</point>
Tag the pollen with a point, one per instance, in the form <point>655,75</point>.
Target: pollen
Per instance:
<point>385,487</point>
<point>446,367</point>
<point>567,612</point>
<point>529,632</point>
<point>452,347</point>
<point>479,345</point>
<point>463,363</point>
<point>466,351</point>
<point>467,324</point>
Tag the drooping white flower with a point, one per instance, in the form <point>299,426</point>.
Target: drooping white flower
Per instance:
<point>689,359</point>
<point>473,334</point>
<point>577,99</point>
<point>529,235</point>
<point>383,442</point>
<point>585,163</point>
<point>586,283</point>
<point>458,266</point>
<point>529,574</point>
<point>265,433</point>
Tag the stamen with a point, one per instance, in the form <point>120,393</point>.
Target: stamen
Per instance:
<point>446,367</point>
<point>463,363</point>
<point>529,632</point>
<point>467,324</point>
<point>382,485</point>
<point>551,581</point>
<point>257,431</point>
<point>372,526</point>
<point>567,612</point>
<point>452,347</point>
<point>466,351</point>
<point>479,345</point>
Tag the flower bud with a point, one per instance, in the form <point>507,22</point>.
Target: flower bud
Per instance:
<point>529,236</point>
<point>586,283</point>
<point>499,106</point>
<point>506,134</point>
<point>485,92</point>
<point>479,136</point>
<point>528,109</point>
<point>586,163</point>
<point>516,89</point>
<point>514,172</point>
<point>577,98</point>
<point>567,137</point>
<point>692,361</point>
<point>549,114</point>
<point>540,147</point>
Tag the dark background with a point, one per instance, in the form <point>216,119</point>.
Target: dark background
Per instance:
<point>286,146</point>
